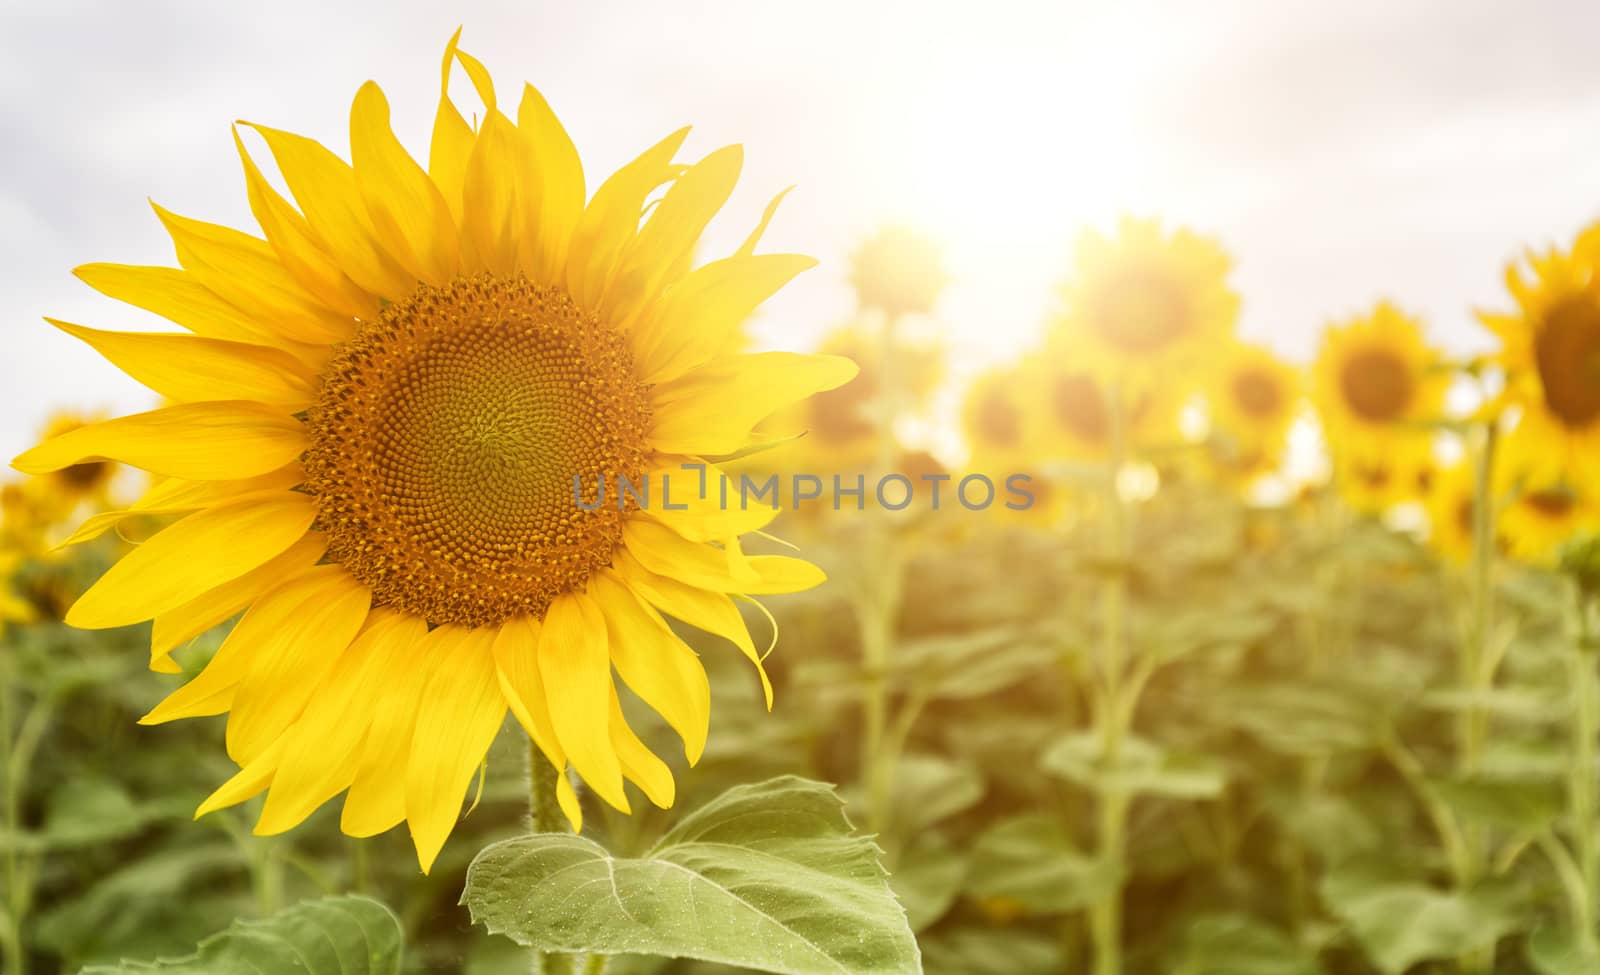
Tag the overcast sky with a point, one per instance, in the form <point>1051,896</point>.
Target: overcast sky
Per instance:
<point>1341,151</point>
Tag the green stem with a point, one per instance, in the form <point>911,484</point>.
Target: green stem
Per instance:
<point>1112,713</point>
<point>595,965</point>
<point>545,813</point>
<point>15,953</point>
<point>881,594</point>
<point>1582,782</point>
<point>1475,666</point>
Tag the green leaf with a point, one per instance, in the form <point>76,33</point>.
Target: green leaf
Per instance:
<point>1142,766</point>
<point>1028,865</point>
<point>1238,944</point>
<point>1523,806</point>
<point>928,788</point>
<point>1400,923</point>
<point>927,879</point>
<point>331,936</point>
<point>1555,950</point>
<point>765,876</point>
<point>992,951</point>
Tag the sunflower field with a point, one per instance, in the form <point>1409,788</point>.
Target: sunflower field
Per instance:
<point>478,593</point>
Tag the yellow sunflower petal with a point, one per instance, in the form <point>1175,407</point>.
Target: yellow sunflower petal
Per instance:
<point>276,620</point>
<point>177,296</point>
<point>326,190</point>
<point>377,798</point>
<point>298,247</point>
<point>713,612</point>
<point>175,495</point>
<point>667,239</point>
<point>192,556</point>
<point>611,220</point>
<point>192,368</point>
<point>461,711</point>
<point>639,764</point>
<point>712,408</point>
<point>246,272</point>
<point>323,748</point>
<point>196,441</point>
<point>663,551</point>
<point>553,180</point>
<point>247,783</point>
<point>490,218</point>
<point>279,680</point>
<point>516,657</point>
<point>409,213</point>
<point>573,657</point>
<point>655,663</point>
<point>200,614</point>
<point>699,319</point>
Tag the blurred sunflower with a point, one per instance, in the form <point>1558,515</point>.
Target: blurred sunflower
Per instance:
<point>1142,302</point>
<point>839,425</point>
<point>1539,518</point>
<point>379,429</point>
<point>1254,397</point>
<point>1551,352</point>
<point>1068,410</point>
<point>898,271</point>
<point>1450,504</point>
<point>79,485</point>
<point>1374,383</point>
<point>994,418</point>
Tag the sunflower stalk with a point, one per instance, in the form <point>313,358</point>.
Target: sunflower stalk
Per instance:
<point>880,597</point>
<point>1582,781</point>
<point>1113,713</point>
<point>545,813</point>
<point>1476,668</point>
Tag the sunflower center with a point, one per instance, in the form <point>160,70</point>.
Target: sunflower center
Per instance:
<point>1256,393</point>
<point>1567,353</point>
<point>446,440</point>
<point>1377,385</point>
<point>1552,503</point>
<point>1141,309</point>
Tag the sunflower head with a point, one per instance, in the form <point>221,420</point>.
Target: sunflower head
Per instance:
<point>1254,397</point>
<point>1143,300</point>
<point>994,417</point>
<point>1069,412</point>
<point>1551,353</point>
<point>1450,506</point>
<point>398,426</point>
<point>898,271</point>
<point>1539,517</point>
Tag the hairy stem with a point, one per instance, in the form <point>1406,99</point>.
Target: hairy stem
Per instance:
<point>1582,780</point>
<point>545,814</point>
<point>881,598</point>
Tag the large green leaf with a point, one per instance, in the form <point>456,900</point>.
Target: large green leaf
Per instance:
<point>1238,944</point>
<point>331,936</point>
<point>765,876</point>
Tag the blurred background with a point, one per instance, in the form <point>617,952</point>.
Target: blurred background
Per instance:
<point>1338,151</point>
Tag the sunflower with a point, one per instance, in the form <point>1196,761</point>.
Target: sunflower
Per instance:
<point>994,417</point>
<point>1375,383</point>
<point>897,271</point>
<point>1068,412</point>
<point>1551,352</point>
<point>379,426</point>
<point>1538,518</point>
<point>1450,504</point>
<point>71,489</point>
<point>839,425</point>
<point>1143,301</point>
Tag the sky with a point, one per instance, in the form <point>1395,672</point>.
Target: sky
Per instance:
<point>1341,152</point>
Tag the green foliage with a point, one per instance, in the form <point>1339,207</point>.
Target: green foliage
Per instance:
<point>766,876</point>
<point>330,936</point>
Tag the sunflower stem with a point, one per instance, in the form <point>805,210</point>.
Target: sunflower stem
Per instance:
<point>16,954</point>
<point>1582,777</point>
<point>595,965</point>
<point>545,813</point>
<point>1476,671</point>
<point>1112,713</point>
<point>881,600</point>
